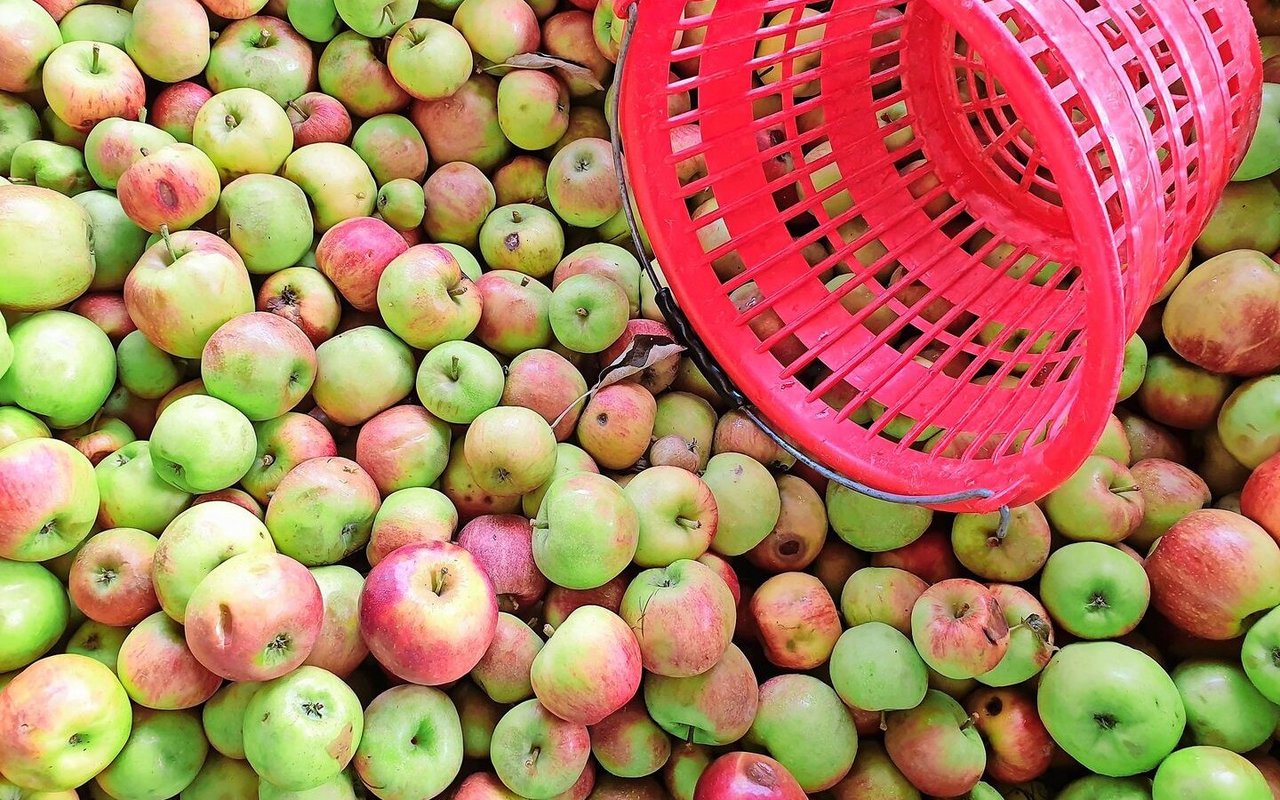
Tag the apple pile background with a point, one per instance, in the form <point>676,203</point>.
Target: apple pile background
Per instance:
<point>344,452</point>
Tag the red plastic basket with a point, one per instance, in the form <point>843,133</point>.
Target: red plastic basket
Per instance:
<point>914,236</point>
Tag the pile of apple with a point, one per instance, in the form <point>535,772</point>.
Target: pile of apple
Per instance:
<point>344,452</point>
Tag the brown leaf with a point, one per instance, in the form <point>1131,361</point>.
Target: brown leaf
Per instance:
<point>645,350</point>
<point>567,69</point>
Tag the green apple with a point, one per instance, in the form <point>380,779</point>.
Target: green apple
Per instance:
<point>802,723</point>
<point>458,381</point>
<point>1248,421</point>
<point>1135,366</point>
<point>322,511</point>
<point>511,450</point>
<point>874,775</point>
<point>402,204</point>
<point>223,717</point>
<point>522,237</point>
<point>169,39</point>
<point>1260,655</point>
<point>1223,707</point>
<point>1100,502</point>
<point>589,667</point>
<point>1094,591</point>
<point>1208,773</point>
<point>352,71</point>
<point>588,313</point>
<point>533,108</point>
<point>132,494</point>
<point>570,459</point>
<point>317,20</point>
<point>424,298</point>
<point>1100,787</point>
<point>361,372</point>
<point>748,501</point>
<point>17,424</point>
<point>63,368</point>
<point>60,132</point>
<point>412,745</point>
<point>97,641</point>
<point>478,715</point>
<point>117,242</point>
<point>582,185</point>
<point>144,369</point>
<point>1245,218</point>
<point>243,131</point>
<point>267,220</point>
<point>46,254</point>
<point>260,363</point>
<point>19,123</point>
<point>31,36</point>
<point>1030,637</point>
<point>335,179</point>
<point>936,746</point>
<point>340,787</point>
<point>429,58</point>
<point>1110,707</point>
<point>62,721</point>
<point>202,444</point>
<point>223,778</point>
<point>162,756</point>
<point>537,754</point>
<point>33,613</point>
<point>871,524</point>
<point>875,667</point>
<point>1263,157</point>
<point>375,18</point>
<point>199,539</point>
<point>94,23</point>
<point>264,53</point>
<point>6,350</point>
<point>580,552</point>
<point>715,707</point>
<point>302,729</point>
<point>678,515</point>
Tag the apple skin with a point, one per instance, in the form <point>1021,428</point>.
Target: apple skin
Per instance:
<point>87,82</point>
<point>1110,707</point>
<point>169,41</point>
<point>1260,497</point>
<point>460,486</point>
<point>402,447</point>
<point>410,516</point>
<point>222,778</point>
<point>48,499</point>
<point>959,628</point>
<point>317,117</point>
<point>1094,591</point>
<point>801,531</point>
<point>629,744</point>
<point>35,613</point>
<point>747,776</point>
<point>715,707</point>
<point>523,179</point>
<point>1238,280</point>
<point>1100,502</point>
<point>21,125</point>
<point>430,59</point>
<point>173,187</point>
<point>1229,226</point>
<point>284,443</point>
<point>45,249</point>
<point>338,183</point>
<point>163,754</point>
<point>428,649</point>
<point>17,425</point>
<point>1180,394</point>
<point>263,53</point>
<point>305,297</point>
<point>1246,423</point>
<point>578,553</point>
<point>459,199</point>
<point>1212,571</point>
<point>1019,747</point>
<point>796,620</point>
<point>935,747</point>
<point>410,726</point>
<point>589,668</point>
<point>582,186</point>
<point>354,253</point>
<point>562,750</point>
<point>1208,773</point>
<point>1223,707</point>
<point>804,725</point>
<point>1016,558</point>
<point>234,9</point>
<point>351,71</point>
<point>49,703</point>
<point>201,444</point>
<point>503,672</point>
<point>175,107</point>
<point>199,539</point>
<point>383,363</point>
<point>107,311</point>
<point>1170,491</point>
<point>322,511</point>
<point>110,578</point>
<point>254,617</point>
<point>424,298</point>
<point>874,667</point>
<point>62,368</point>
<point>339,648</point>
<point>302,729</point>
<point>158,669</point>
<point>503,546</point>
<point>874,775</point>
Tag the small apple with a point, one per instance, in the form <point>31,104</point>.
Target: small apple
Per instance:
<point>746,495</point>
<point>402,203</point>
<point>339,184</point>
<point>1241,203</point>
<point>35,616</point>
<point>459,485</point>
<point>1030,637</point>
<point>115,144</point>
<point>351,71</point>
<point>795,620</point>
<point>202,444</point>
<point>678,515</point>
<point>48,499</point>
<point>511,450</point>
<point>284,443</point>
<point>1240,279</point>
<point>503,546</point>
<point>110,579</point>
<point>458,380</point>
<point>267,221</point>
<point>537,754</point>
<point>424,298</point>
<point>1224,709</point>
<point>430,59</point>
<point>1015,558</point>
<point>524,238</point>
<point>1180,394</point>
<point>577,552</point>
<point>222,778</point>
<point>322,511</point>
<point>959,629</point>
<point>262,53</point>
<point>1261,494</point>
<point>1247,421</point>
<point>158,669</point>
<point>503,672</point>
<point>412,745</point>
<point>169,40</point>
<point>305,297</point>
<point>46,255</point>
<point>223,717</point>
<point>1169,492</point>
<point>515,314</point>
<point>936,746</point>
<point>589,668</point>
<point>881,594</point>
<point>1019,747</point>
<point>175,107</point>
<point>243,131</point>
<point>875,667</point>
<point>523,179</point>
<point>581,183</point>
<point>51,165</point>
<point>317,117</point>
<point>19,124</point>
<point>871,524</point>
<point>361,372</point>
<point>391,146</point>
<point>1101,502</point>
<point>317,20</point>
<point>588,313</point>
<point>684,632</point>
<point>874,775</point>
<point>302,729</point>
<point>410,516</point>
<point>163,754</point>
<point>459,199</point>
<point>548,383</point>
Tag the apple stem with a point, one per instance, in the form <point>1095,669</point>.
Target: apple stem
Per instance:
<point>969,722</point>
<point>168,243</point>
<point>93,65</point>
<point>517,217</point>
<point>582,312</point>
<point>540,524</point>
<point>457,291</point>
<point>454,369</point>
<point>264,38</point>
<point>229,121</point>
<point>146,151</point>
<point>691,524</point>
<point>142,114</point>
<point>884,721</point>
<point>1125,489</point>
<point>437,580</point>
<point>533,757</point>
<point>299,110</point>
<point>548,630</point>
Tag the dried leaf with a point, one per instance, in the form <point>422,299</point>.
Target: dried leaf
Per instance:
<point>567,69</point>
<point>645,350</point>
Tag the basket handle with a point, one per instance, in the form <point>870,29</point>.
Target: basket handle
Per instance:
<point>716,376</point>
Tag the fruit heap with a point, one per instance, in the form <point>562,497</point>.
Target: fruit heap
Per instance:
<point>344,452</point>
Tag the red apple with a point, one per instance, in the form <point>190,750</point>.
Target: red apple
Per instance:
<point>354,253</point>
<point>108,311</point>
<point>158,669</point>
<point>502,544</point>
<point>87,82</point>
<point>655,378</point>
<point>1019,749</point>
<point>317,117</point>
<point>304,297</point>
<point>110,578</point>
<point>175,107</point>
<point>403,446</point>
<point>546,382</point>
<point>747,776</point>
<point>48,499</point>
<point>929,557</point>
<point>959,629</point>
<point>797,620</point>
<point>1260,497</point>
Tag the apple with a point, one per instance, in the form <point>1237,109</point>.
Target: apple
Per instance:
<point>1030,637</point>
<point>267,221</point>
<point>692,420</point>
<point>262,53</point>
<point>354,253</point>
<point>629,744</point>
<point>1223,707</point>
<point>175,107</point>
<point>1246,423</point>
<point>746,495</point>
<point>498,29</point>
<point>796,620</point>
<point>97,641</point>
<point>581,184</point>
<point>743,774</point>
<point>714,707</point>
<point>936,746</point>
<point>107,311</point>
<point>402,447</point>
<point>523,238</point>
<point>1019,747</point>
<point>35,613</point>
<point>424,298</point>
<point>1135,367</point>
<point>875,667</point>
<point>880,594</point>
<point>99,440</point>
<point>202,444</point>
<point>302,729</point>
<point>222,717</point>
<point>1260,645</point>
<point>1240,279</point>
<point>1094,591</point>
<point>874,775</point>
<point>1114,442</point>
<point>222,778</point>
<point>677,512</point>
<point>682,633</point>
<point>458,380</point>
<point>375,18</point>
<point>412,745</point>
<point>959,628</point>
<point>169,41</point>
<point>1258,162</point>
<point>45,249</point>
<point>803,724</point>
<point>19,124</point>
<point>548,383</point>
<point>578,552</point>
<point>317,20</point>
<point>234,9</point>
<point>303,296</point>
<point>199,539</point>
<point>254,617</point>
<point>322,510</point>
<point>503,546</point>
<point>243,131</point>
<point>63,368</point>
<point>351,71</point>
<point>1100,502</point>
<point>1180,394</point>
<point>338,184</point>
<point>1212,572</point>
<point>1110,707</point>
<point>1258,498</point>
<point>339,648</point>
<point>62,721</point>
<point>409,516</point>
<point>87,82</point>
<point>589,667</point>
<point>588,313</point>
<point>464,126</point>
<point>1169,492</point>
<point>1241,203</point>
<point>523,179</point>
<point>317,117</point>
<point>48,501</point>
<point>51,165</point>
<point>570,460</point>
<point>537,754</point>
<point>568,35</point>
<point>430,59</point>
<point>110,579</point>
<point>383,364</point>
<point>1208,773</point>
<point>391,146</point>
<point>118,243</point>
<point>459,485</point>
<point>438,647</point>
<point>478,715</point>
<point>683,769</point>
<point>284,443</point>
<point>515,312</point>
<point>1149,439</point>
<point>158,669</point>
<point>511,450</point>
<point>402,203</point>
<point>115,144</point>
<point>173,187</point>
<point>606,260</point>
<point>869,523</point>
<point>1015,558</point>
<point>459,199</point>
<point>17,425</point>
<point>260,364</point>
<point>503,672</point>
<point>163,754</point>
<point>31,35</point>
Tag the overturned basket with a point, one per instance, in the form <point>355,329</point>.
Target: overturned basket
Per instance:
<point>911,238</point>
